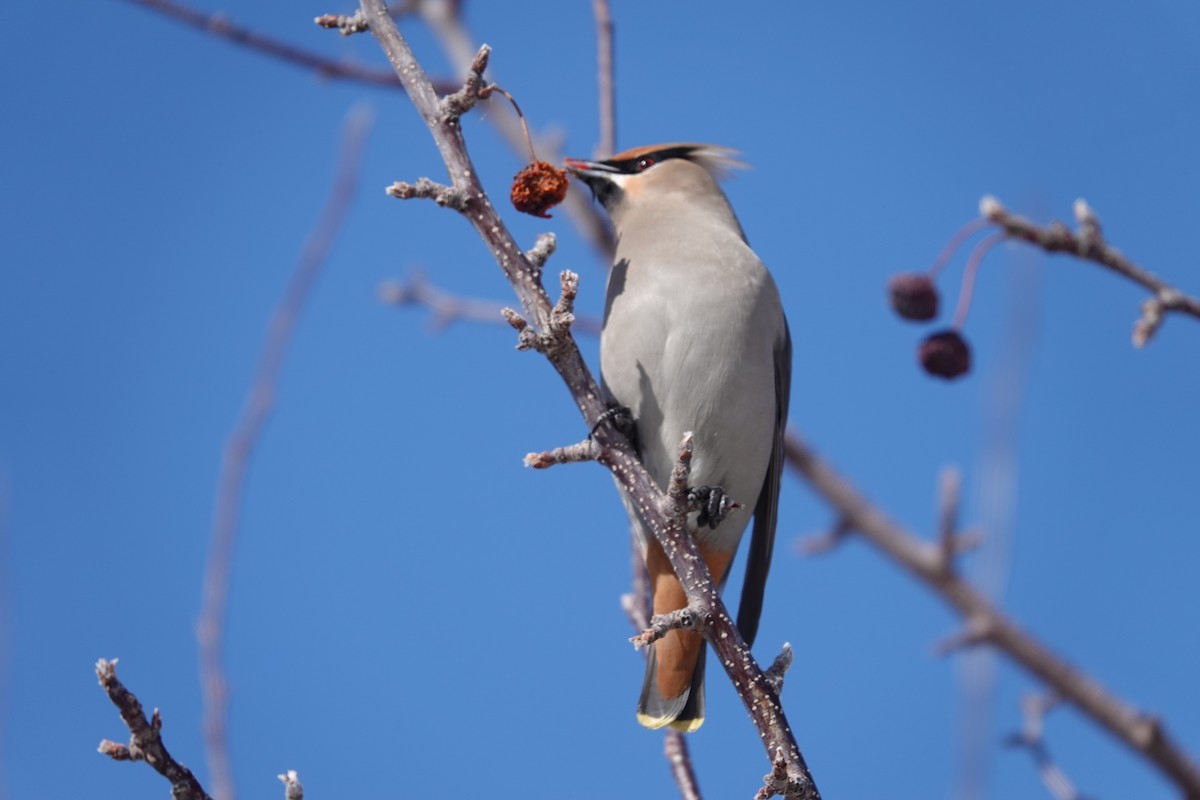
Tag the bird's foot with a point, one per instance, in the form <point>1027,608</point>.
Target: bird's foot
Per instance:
<point>714,505</point>
<point>621,418</point>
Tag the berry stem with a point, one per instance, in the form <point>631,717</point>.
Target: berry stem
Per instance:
<point>968,283</point>
<point>956,241</point>
<point>520,116</point>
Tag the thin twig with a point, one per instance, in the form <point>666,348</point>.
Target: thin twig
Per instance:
<point>956,241</point>
<point>292,789</point>
<point>347,26</point>
<point>968,280</point>
<point>587,450</point>
<point>950,487</point>
<point>219,26</point>
<point>552,337</point>
<point>145,740</point>
<point>637,607</point>
<point>636,603</point>
<point>241,444</point>
<point>1142,733</point>
<point>444,19</point>
<point>448,308</point>
<point>681,619</point>
<point>1089,244</point>
<point>995,485</point>
<point>675,748</point>
<point>1032,739</point>
<point>824,542</point>
<point>779,667</point>
<point>520,116</point>
<point>606,80</point>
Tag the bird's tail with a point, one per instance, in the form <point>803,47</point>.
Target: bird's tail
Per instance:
<point>684,710</point>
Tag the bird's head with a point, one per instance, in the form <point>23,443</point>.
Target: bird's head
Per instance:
<point>643,176</point>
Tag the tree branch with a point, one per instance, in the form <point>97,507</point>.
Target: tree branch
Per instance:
<point>675,748</point>
<point>1089,244</point>
<point>292,790</point>
<point>444,18</point>
<point>606,80</point>
<point>219,26</point>
<point>979,628</point>
<point>241,443</point>
<point>448,308</point>
<point>985,624</point>
<point>1032,739</point>
<point>616,453</point>
<point>145,743</point>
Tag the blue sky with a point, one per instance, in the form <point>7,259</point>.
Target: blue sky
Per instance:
<point>413,612</point>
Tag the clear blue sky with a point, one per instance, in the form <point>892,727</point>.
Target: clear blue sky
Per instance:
<point>413,612</point>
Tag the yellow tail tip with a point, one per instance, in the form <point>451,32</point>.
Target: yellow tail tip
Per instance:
<point>683,725</point>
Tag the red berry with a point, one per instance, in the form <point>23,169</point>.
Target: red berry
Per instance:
<point>538,187</point>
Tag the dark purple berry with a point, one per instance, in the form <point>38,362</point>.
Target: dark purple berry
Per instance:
<point>913,296</point>
<point>945,354</point>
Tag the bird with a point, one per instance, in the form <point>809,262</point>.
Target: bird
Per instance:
<point>694,339</point>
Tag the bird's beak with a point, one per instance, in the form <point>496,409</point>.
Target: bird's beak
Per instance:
<point>596,175</point>
<point>587,171</point>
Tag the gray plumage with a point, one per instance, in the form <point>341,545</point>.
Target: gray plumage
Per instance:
<point>694,339</point>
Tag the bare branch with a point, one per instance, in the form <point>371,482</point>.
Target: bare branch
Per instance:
<point>779,667</point>
<point>473,89</point>
<point>951,486</point>
<point>449,308</point>
<point>675,748</point>
<point>145,743</point>
<point>825,542</point>
<point>606,81</point>
<point>219,26</point>
<point>1141,733</point>
<point>974,261</point>
<point>444,19</point>
<point>1089,244</point>
<point>347,26</point>
<point>587,450</point>
<point>977,631</point>
<point>636,603</point>
<point>779,781</point>
<point>425,189</point>
<point>292,790</point>
<point>1031,738</point>
<point>681,619</point>
<point>446,308</point>
<point>542,249</point>
<point>677,504</point>
<point>244,438</point>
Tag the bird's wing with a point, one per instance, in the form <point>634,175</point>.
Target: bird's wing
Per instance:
<point>766,510</point>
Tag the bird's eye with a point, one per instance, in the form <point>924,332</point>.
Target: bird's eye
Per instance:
<point>644,164</point>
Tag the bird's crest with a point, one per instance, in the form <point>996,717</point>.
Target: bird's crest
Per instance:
<point>719,161</point>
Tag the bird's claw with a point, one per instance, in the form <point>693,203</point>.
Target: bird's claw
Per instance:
<point>620,416</point>
<point>714,505</point>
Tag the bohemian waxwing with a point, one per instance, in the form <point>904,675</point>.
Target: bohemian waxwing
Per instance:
<point>694,340</point>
